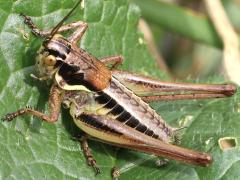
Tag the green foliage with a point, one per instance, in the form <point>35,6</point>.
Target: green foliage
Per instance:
<point>31,149</point>
<point>180,20</point>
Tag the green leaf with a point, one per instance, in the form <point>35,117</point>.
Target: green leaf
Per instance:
<point>32,149</point>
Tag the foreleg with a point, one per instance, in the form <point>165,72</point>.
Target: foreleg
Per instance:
<point>55,100</point>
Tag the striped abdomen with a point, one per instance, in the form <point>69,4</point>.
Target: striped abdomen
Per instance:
<point>131,110</point>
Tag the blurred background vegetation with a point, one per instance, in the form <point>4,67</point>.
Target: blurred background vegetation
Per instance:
<point>184,36</point>
<point>184,44</point>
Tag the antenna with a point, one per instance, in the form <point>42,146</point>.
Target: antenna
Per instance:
<point>56,28</point>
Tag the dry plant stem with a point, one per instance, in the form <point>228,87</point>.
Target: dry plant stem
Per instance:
<point>144,28</point>
<point>229,38</point>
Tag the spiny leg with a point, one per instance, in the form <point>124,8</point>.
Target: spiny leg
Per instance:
<point>43,33</point>
<point>113,61</point>
<point>136,140</point>
<point>55,100</point>
<point>88,154</point>
<point>143,86</point>
<point>174,97</point>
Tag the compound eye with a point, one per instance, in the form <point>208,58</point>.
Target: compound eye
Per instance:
<point>50,60</point>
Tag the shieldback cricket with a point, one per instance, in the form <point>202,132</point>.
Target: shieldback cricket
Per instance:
<point>106,103</point>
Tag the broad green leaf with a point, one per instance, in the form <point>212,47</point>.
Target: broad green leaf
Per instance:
<point>32,149</point>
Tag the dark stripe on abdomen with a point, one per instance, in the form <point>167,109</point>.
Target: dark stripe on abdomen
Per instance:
<point>92,122</point>
<point>122,114</point>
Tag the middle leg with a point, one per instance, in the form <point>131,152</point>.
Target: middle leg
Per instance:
<point>88,154</point>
